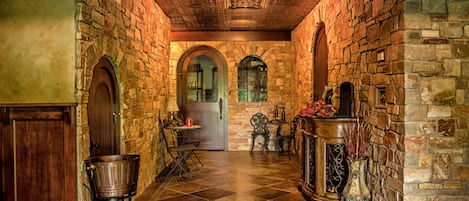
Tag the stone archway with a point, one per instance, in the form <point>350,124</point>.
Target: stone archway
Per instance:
<point>209,108</point>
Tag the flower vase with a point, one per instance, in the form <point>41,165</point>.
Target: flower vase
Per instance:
<point>356,188</point>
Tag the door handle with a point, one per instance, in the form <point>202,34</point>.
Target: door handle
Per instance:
<point>116,116</point>
<point>220,105</point>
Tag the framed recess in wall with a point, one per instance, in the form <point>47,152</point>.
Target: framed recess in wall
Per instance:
<point>380,96</point>
<point>380,55</point>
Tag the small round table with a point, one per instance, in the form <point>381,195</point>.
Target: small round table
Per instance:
<point>185,133</point>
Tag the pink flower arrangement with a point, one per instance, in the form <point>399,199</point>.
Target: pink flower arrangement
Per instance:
<point>318,108</point>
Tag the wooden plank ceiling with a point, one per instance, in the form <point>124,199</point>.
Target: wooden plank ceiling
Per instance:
<point>234,19</point>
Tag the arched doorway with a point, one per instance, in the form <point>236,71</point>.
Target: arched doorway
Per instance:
<point>320,69</point>
<point>103,115</point>
<point>202,94</point>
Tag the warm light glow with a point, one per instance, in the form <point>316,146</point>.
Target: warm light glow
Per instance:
<point>172,105</point>
<point>243,23</point>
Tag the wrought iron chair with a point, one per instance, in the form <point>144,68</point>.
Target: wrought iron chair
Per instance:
<point>259,122</point>
<point>179,153</point>
<point>189,137</point>
<point>288,137</point>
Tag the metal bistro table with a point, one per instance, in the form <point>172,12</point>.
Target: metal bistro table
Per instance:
<point>187,135</point>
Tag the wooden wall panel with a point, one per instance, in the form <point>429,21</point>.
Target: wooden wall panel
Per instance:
<point>38,153</point>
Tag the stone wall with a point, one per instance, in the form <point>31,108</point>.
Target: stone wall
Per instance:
<point>417,52</point>
<point>366,49</point>
<point>437,100</point>
<point>277,55</point>
<point>134,36</point>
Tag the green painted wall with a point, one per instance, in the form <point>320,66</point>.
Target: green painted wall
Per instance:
<point>37,51</point>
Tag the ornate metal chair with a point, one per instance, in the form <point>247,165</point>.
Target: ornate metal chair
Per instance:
<point>259,122</point>
<point>289,136</point>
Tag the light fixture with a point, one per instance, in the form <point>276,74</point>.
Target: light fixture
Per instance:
<point>172,107</point>
<point>253,4</point>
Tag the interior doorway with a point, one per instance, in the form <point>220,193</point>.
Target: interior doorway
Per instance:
<point>320,69</point>
<point>202,94</point>
<point>103,115</point>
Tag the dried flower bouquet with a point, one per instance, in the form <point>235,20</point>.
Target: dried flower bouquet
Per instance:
<point>318,108</point>
<point>356,139</point>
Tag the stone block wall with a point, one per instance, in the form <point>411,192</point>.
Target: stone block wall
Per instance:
<point>134,36</point>
<point>417,51</point>
<point>278,56</point>
<point>366,48</point>
<point>437,100</point>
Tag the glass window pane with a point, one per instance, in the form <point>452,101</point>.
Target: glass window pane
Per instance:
<point>211,90</point>
<point>202,80</point>
<point>252,80</point>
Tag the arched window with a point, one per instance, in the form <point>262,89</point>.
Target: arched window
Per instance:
<point>252,80</point>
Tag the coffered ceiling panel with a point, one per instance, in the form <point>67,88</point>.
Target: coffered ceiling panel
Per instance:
<point>235,15</point>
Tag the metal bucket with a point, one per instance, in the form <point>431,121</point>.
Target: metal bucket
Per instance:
<point>113,176</point>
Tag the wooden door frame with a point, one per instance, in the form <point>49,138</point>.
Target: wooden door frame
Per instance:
<point>320,31</point>
<point>105,62</point>
<point>220,60</point>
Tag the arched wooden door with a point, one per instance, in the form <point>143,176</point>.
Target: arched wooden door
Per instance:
<point>320,63</point>
<point>202,93</point>
<point>103,116</point>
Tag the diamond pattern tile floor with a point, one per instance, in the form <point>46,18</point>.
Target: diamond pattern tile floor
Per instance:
<point>232,176</point>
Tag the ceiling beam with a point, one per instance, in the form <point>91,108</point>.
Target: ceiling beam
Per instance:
<point>231,36</point>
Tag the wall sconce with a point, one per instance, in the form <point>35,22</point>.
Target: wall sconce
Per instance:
<point>172,107</point>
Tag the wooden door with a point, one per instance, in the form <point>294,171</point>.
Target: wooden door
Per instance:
<point>103,113</point>
<point>321,59</point>
<point>203,96</point>
<point>38,153</point>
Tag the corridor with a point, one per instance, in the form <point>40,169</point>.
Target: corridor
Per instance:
<point>232,176</point>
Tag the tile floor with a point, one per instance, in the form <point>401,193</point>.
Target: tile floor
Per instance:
<point>232,176</point>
